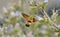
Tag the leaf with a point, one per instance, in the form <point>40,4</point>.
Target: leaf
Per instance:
<point>33,10</point>
<point>59,34</point>
<point>58,19</point>
<point>42,5</point>
<point>17,7</point>
<point>56,30</point>
<point>33,4</point>
<point>15,31</point>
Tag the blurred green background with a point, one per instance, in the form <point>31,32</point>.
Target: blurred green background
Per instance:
<point>12,23</point>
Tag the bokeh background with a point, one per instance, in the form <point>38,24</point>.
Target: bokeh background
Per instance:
<point>12,23</point>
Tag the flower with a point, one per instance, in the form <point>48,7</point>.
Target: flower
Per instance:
<point>9,29</point>
<point>4,9</point>
<point>17,13</point>
<point>12,13</point>
<point>39,18</point>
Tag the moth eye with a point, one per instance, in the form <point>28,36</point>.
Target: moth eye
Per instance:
<point>27,25</point>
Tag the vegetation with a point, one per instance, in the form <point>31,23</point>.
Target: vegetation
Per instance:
<point>14,23</point>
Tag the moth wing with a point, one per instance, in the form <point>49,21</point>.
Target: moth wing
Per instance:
<point>27,17</point>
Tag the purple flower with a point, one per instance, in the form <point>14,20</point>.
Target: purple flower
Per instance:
<point>9,29</point>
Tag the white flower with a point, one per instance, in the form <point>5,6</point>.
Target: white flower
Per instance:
<point>3,35</point>
<point>56,33</point>
<point>39,18</point>
<point>46,1</point>
<point>58,26</point>
<point>12,13</point>
<point>17,13</point>
<point>17,25</point>
<point>4,9</point>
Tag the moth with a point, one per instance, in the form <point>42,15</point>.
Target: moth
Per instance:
<point>29,21</point>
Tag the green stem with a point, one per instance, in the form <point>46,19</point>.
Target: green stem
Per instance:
<point>51,20</point>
